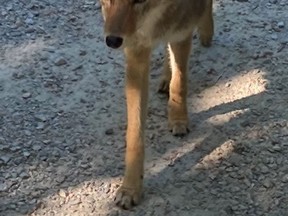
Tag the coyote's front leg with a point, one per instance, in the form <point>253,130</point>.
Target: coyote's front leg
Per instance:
<point>137,60</point>
<point>177,105</point>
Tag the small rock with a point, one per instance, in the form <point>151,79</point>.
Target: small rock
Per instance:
<point>273,1</point>
<point>274,36</point>
<point>245,123</point>
<point>33,168</point>
<point>82,100</point>
<point>285,178</point>
<point>26,154</point>
<point>29,21</point>
<point>5,158</point>
<point>18,75</point>
<point>36,147</point>
<point>24,175</point>
<point>228,209</point>
<point>235,189</point>
<point>9,7</point>
<point>26,95</point>
<point>41,117</point>
<point>61,179</point>
<point>77,67</point>
<point>29,30</point>
<point>60,61</point>
<point>82,52</point>
<point>46,142</point>
<point>227,85</point>
<point>15,148</point>
<point>75,202</point>
<point>4,13</point>
<point>264,169</point>
<point>3,187</point>
<point>40,126</point>
<point>107,188</point>
<point>62,193</point>
<point>280,24</point>
<point>27,132</point>
<point>109,131</point>
<point>267,183</point>
<point>109,142</point>
<point>277,148</point>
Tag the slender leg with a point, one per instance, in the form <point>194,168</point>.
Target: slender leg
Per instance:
<point>136,88</point>
<point>177,104</point>
<point>166,75</point>
<point>206,25</point>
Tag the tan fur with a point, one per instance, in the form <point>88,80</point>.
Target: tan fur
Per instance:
<point>142,26</point>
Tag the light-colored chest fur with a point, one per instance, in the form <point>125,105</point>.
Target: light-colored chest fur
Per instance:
<point>168,22</point>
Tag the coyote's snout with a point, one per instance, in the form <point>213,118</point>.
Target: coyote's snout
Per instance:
<point>136,26</point>
<point>120,21</point>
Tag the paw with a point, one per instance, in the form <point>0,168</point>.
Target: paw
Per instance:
<point>179,128</point>
<point>206,40</point>
<point>126,198</point>
<point>164,86</point>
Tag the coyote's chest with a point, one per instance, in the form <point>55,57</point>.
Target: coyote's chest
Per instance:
<point>164,24</point>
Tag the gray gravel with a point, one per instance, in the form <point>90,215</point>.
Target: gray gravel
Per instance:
<point>62,116</point>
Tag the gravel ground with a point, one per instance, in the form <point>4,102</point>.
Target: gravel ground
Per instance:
<point>62,116</point>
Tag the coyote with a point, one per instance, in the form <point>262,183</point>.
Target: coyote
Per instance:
<point>136,26</point>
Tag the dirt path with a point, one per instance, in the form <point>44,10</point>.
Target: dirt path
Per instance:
<point>62,116</point>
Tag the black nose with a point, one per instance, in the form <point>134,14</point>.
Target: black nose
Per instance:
<point>114,41</point>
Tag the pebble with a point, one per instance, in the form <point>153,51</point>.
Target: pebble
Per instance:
<point>75,202</point>
<point>267,183</point>
<point>227,85</point>
<point>109,131</point>
<point>9,7</point>
<point>26,95</point>
<point>26,154</point>
<point>24,175</point>
<point>41,117</point>
<point>36,147</point>
<point>274,36</point>
<point>280,24</point>
<point>46,142</point>
<point>273,1</point>
<point>60,61</point>
<point>18,75</point>
<point>245,123</point>
<point>264,169</point>
<point>3,187</point>
<point>29,30</point>
<point>40,126</point>
<point>82,52</point>
<point>277,148</point>
<point>61,179</point>
<point>27,132</point>
<point>285,178</point>
<point>5,158</point>
<point>29,21</point>
<point>62,193</point>
<point>15,147</point>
